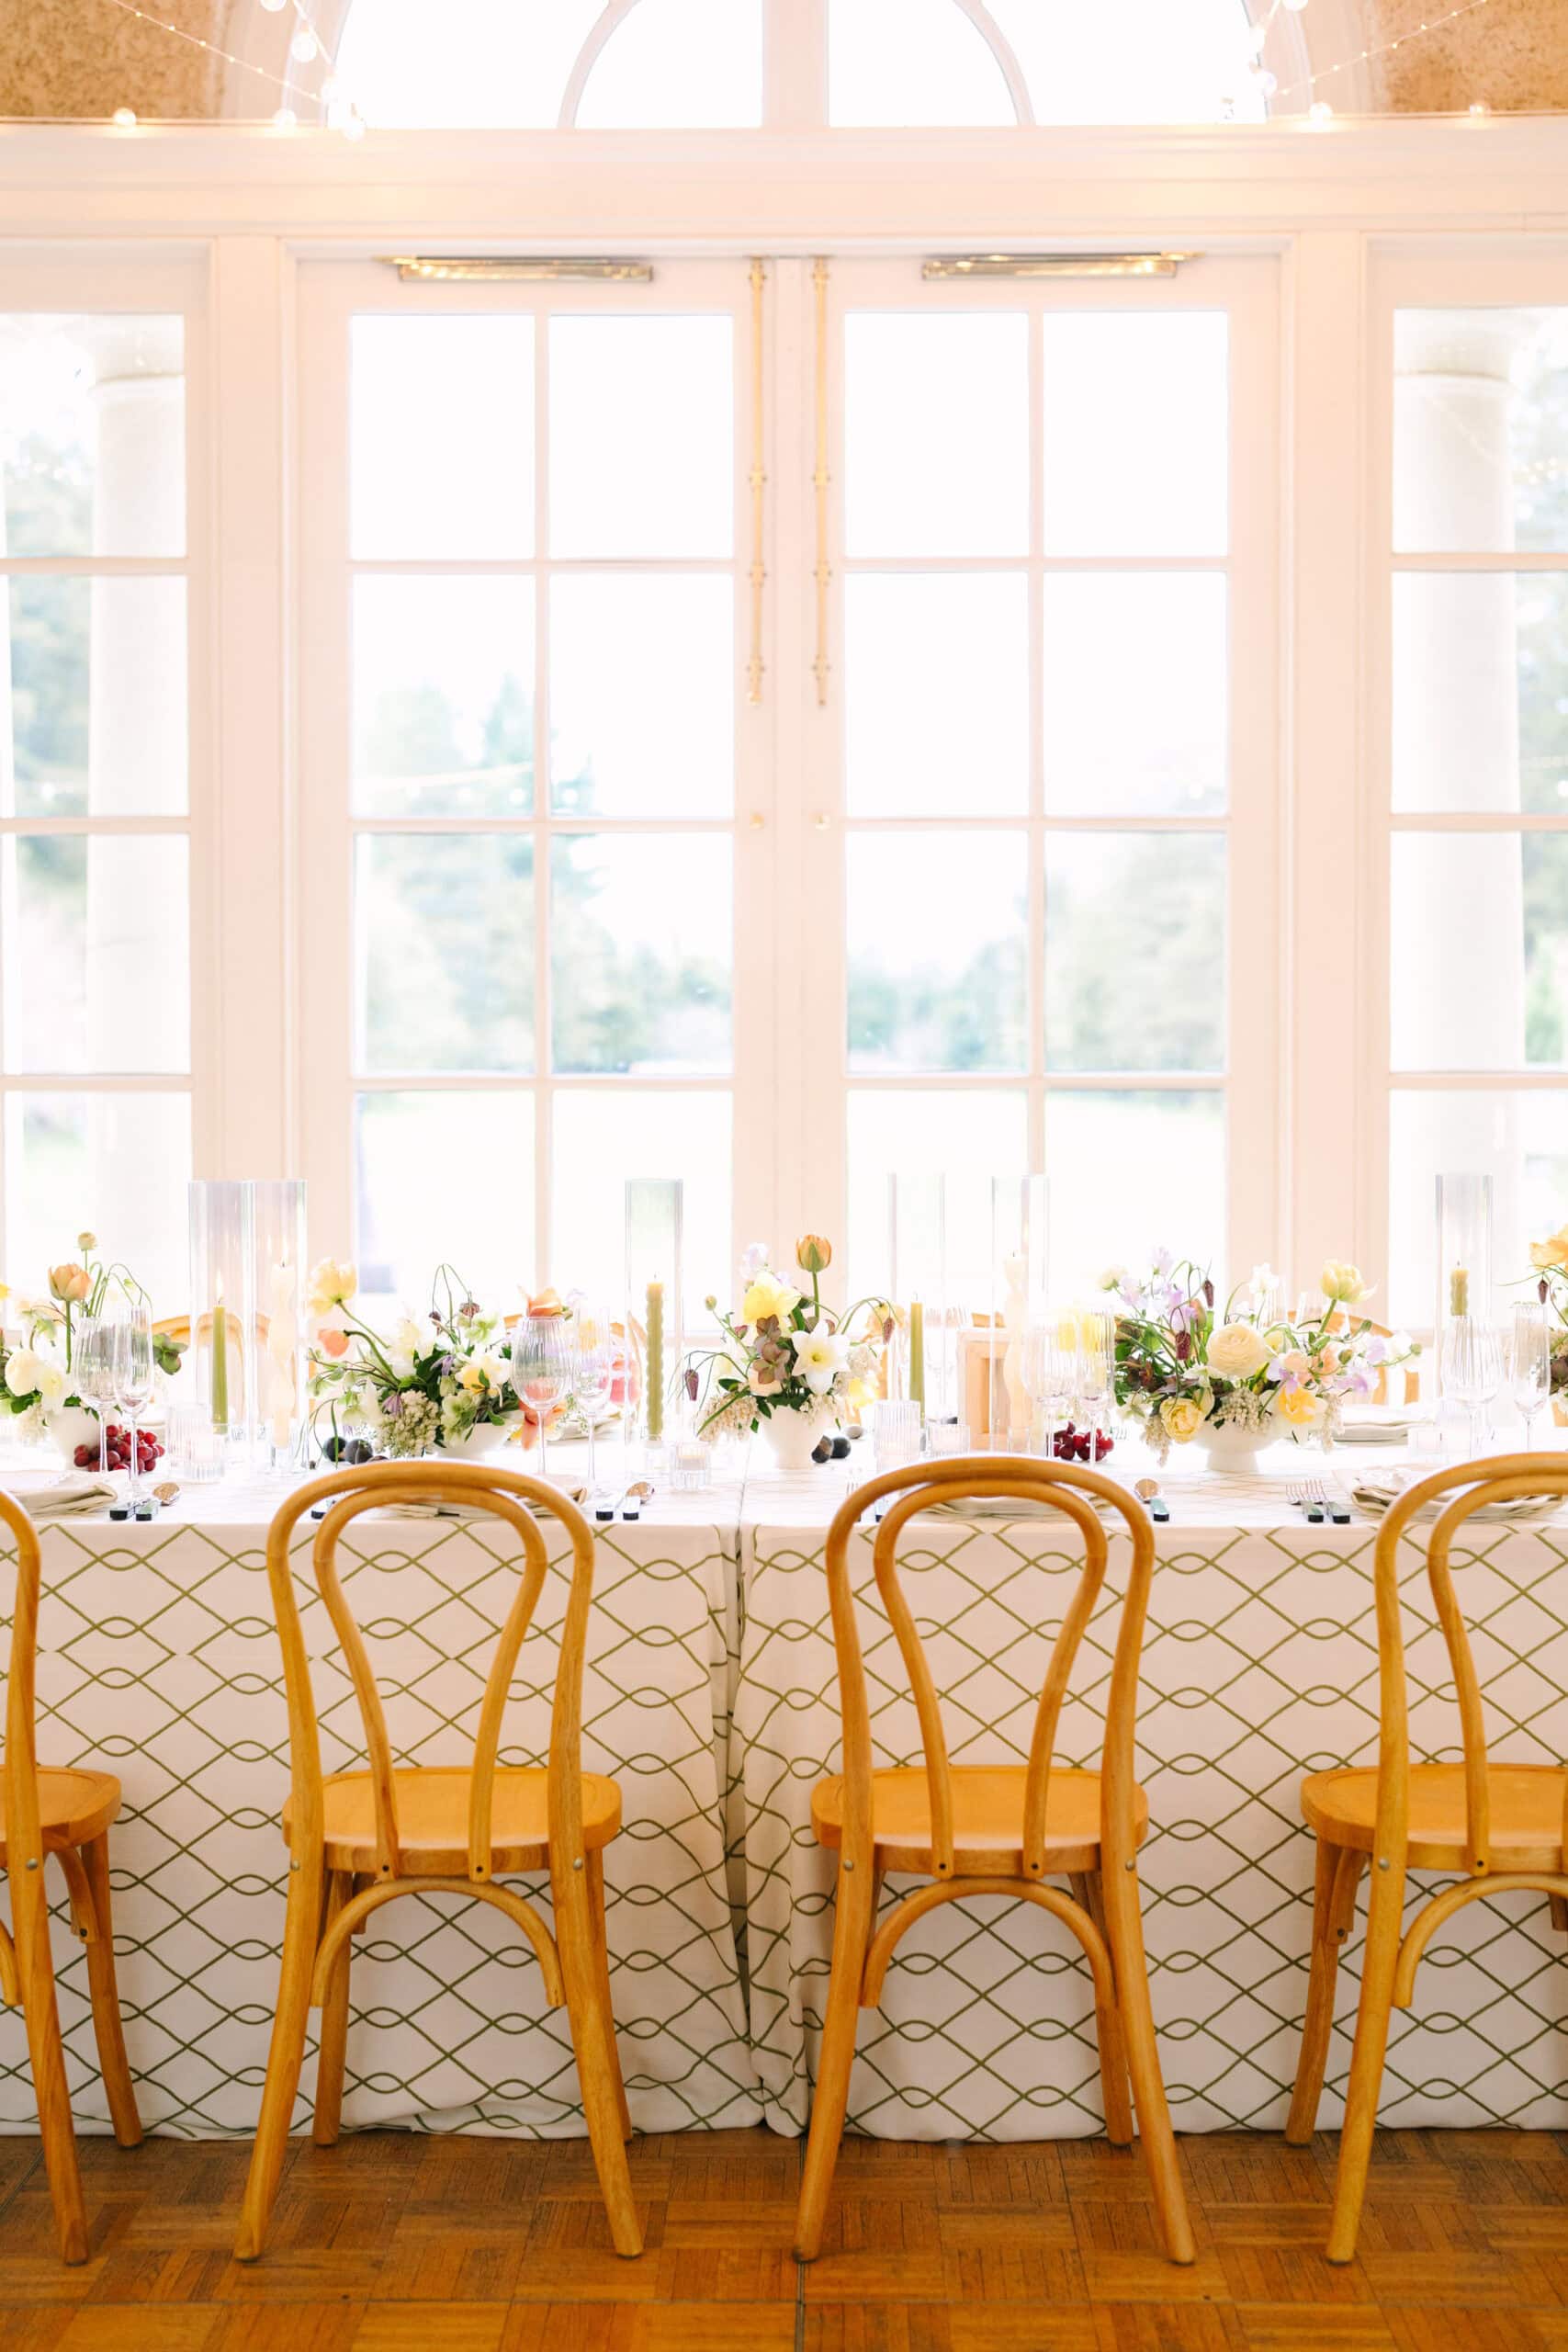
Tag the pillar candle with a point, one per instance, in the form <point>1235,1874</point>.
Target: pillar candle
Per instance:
<point>220,1362</point>
<point>655,1361</point>
<point>1458,1290</point>
<point>917,1354</point>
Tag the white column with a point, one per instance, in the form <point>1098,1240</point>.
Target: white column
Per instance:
<point>1453,488</point>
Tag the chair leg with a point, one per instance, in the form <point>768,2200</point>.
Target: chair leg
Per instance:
<point>1557,1906</point>
<point>104,1989</point>
<point>1332,1915</point>
<point>40,2015</point>
<point>1109,2034</point>
<point>301,1934</point>
<point>1125,1932</point>
<point>594,2040</point>
<point>1384,1920</point>
<point>602,1966</point>
<point>333,2048</point>
<point>852,1934</point>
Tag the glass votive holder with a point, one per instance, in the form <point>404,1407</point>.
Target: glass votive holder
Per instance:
<point>198,1452</point>
<point>895,1433</point>
<point>947,1437</point>
<point>690,1466</point>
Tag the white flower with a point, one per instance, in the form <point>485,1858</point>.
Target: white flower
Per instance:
<point>1112,1278</point>
<point>497,1370</point>
<point>22,1369</point>
<point>404,1346</point>
<point>1238,1351</point>
<point>753,1258</point>
<point>820,1357</point>
<point>51,1385</point>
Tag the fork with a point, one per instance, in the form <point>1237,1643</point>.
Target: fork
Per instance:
<point>1306,1495</point>
<point>1318,1500</point>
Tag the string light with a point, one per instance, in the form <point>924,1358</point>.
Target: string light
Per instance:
<point>1384,48</point>
<point>1320,111</point>
<point>305,45</point>
<point>124,118</point>
<point>286,119</point>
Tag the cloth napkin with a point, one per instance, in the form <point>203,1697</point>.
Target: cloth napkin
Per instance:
<point>1376,1489</point>
<point>1377,1429</point>
<point>1007,1506</point>
<point>573,1493</point>
<point>71,1497</point>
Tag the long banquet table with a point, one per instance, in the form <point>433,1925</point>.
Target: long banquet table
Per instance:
<point>710,1693</point>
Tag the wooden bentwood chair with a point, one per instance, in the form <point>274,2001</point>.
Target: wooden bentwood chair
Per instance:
<point>981,1829</point>
<point>66,1815</point>
<point>359,1839</point>
<point>1499,1827</point>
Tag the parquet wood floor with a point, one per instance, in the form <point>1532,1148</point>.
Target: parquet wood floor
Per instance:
<point>393,2243</point>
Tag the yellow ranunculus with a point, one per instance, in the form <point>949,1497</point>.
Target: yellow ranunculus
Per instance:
<point>768,1296</point>
<point>333,1283</point>
<point>1342,1283</point>
<point>1183,1417</point>
<point>1238,1349</point>
<point>1546,1256</point>
<point>1299,1408</point>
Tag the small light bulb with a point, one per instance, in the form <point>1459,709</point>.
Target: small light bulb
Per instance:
<point>125,117</point>
<point>303,45</point>
<point>331,88</point>
<point>1257,41</point>
<point>274,8</point>
<point>1320,111</point>
<point>285,119</point>
<point>1480,109</point>
<point>1265,81</point>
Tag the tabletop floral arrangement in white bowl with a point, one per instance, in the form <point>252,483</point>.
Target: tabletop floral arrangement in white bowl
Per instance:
<point>788,1363</point>
<point>1550,1259</point>
<point>37,1383</point>
<point>1234,1379</point>
<point>444,1383</point>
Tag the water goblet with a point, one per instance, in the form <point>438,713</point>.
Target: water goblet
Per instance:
<point>541,1372</point>
<point>134,1369</point>
<point>594,1360</point>
<point>1470,1362</point>
<point>1097,1372</point>
<point>1050,1368</point>
<point>1529,1364</point>
<point>92,1369</point>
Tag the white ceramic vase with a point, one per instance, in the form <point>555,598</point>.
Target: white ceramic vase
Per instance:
<point>71,1426</point>
<point>1233,1453</point>
<point>484,1439</point>
<point>792,1435</point>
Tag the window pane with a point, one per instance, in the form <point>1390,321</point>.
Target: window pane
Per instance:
<point>495,65</point>
<point>642,436</point>
<point>641,954</point>
<point>936,433</point>
<point>116,1164</point>
<point>937,951</point>
<point>442,436</point>
<point>1480,690</point>
<point>444,952</point>
<point>442,1172</point>
<point>677,65</point>
<point>98,706</point>
<point>442,696</point>
<point>1481,430</point>
<point>642,695</point>
<point>1144,60</point>
<point>1136,693</point>
<point>92,435</point>
<point>1106,1207</point>
<point>1521,1140</point>
<point>603,1136</point>
<point>912,61</point>
<point>96,952</point>
<point>1479,950</point>
<point>968,1133</point>
<point>936,683</point>
<point>1135,952</point>
<point>1136,432</point>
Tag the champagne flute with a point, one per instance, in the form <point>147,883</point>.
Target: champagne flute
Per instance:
<point>1097,1372</point>
<point>593,1361</point>
<point>541,1372</point>
<point>92,1369</point>
<point>1050,1368</point>
<point>1472,1365</point>
<point>1529,1364</point>
<point>134,1366</point>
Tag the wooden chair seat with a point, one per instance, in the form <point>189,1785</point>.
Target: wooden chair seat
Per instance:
<point>73,1807</point>
<point>1528,1802</point>
<point>432,1820</point>
<point>988,1819</point>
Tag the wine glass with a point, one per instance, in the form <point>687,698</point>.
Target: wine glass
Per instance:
<point>541,1371</point>
<point>1471,1367</point>
<point>1529,1364</point>
<point>1096,1370</point>
<point>92,1369</point>
<point>594,1363</point>
<point>1050,1368</point>
<point>134,1366</point>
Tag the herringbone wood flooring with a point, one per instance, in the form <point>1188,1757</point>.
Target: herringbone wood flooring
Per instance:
<point>393,2243</point>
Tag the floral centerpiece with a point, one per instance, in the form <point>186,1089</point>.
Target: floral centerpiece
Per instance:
<point>35,1384</point>
<point>1235,1377</point>
<point>1550,1259</point>
<point>444,1383</point>
<point>787,1364</point>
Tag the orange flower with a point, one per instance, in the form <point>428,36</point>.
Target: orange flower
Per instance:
<point>333,1342</point>
<point>548,1302</point>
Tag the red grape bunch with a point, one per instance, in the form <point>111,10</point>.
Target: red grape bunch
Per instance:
<point>148,1451</point>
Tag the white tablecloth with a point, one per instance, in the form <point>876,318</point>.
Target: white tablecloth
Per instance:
<point>160,1662</point>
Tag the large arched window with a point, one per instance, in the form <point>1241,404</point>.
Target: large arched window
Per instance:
<point>690,64</point>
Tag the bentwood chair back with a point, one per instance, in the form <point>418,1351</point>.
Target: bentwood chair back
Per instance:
<point>1496,1827</point>
<point>63,1815</point>
<point>359,1839</point>
<point>1006,1831</point>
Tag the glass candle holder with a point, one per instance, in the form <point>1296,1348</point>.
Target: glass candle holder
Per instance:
<point>277,1326</point>
<point>219,1370</point>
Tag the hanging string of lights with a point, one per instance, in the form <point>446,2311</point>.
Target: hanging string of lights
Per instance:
<point>1321,108</point>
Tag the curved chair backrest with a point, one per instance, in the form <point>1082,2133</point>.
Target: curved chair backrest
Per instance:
<point>18,1767</point>
<point>1499,1478</point>
<point>1063,1487</point>
<point>505,1495</point>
